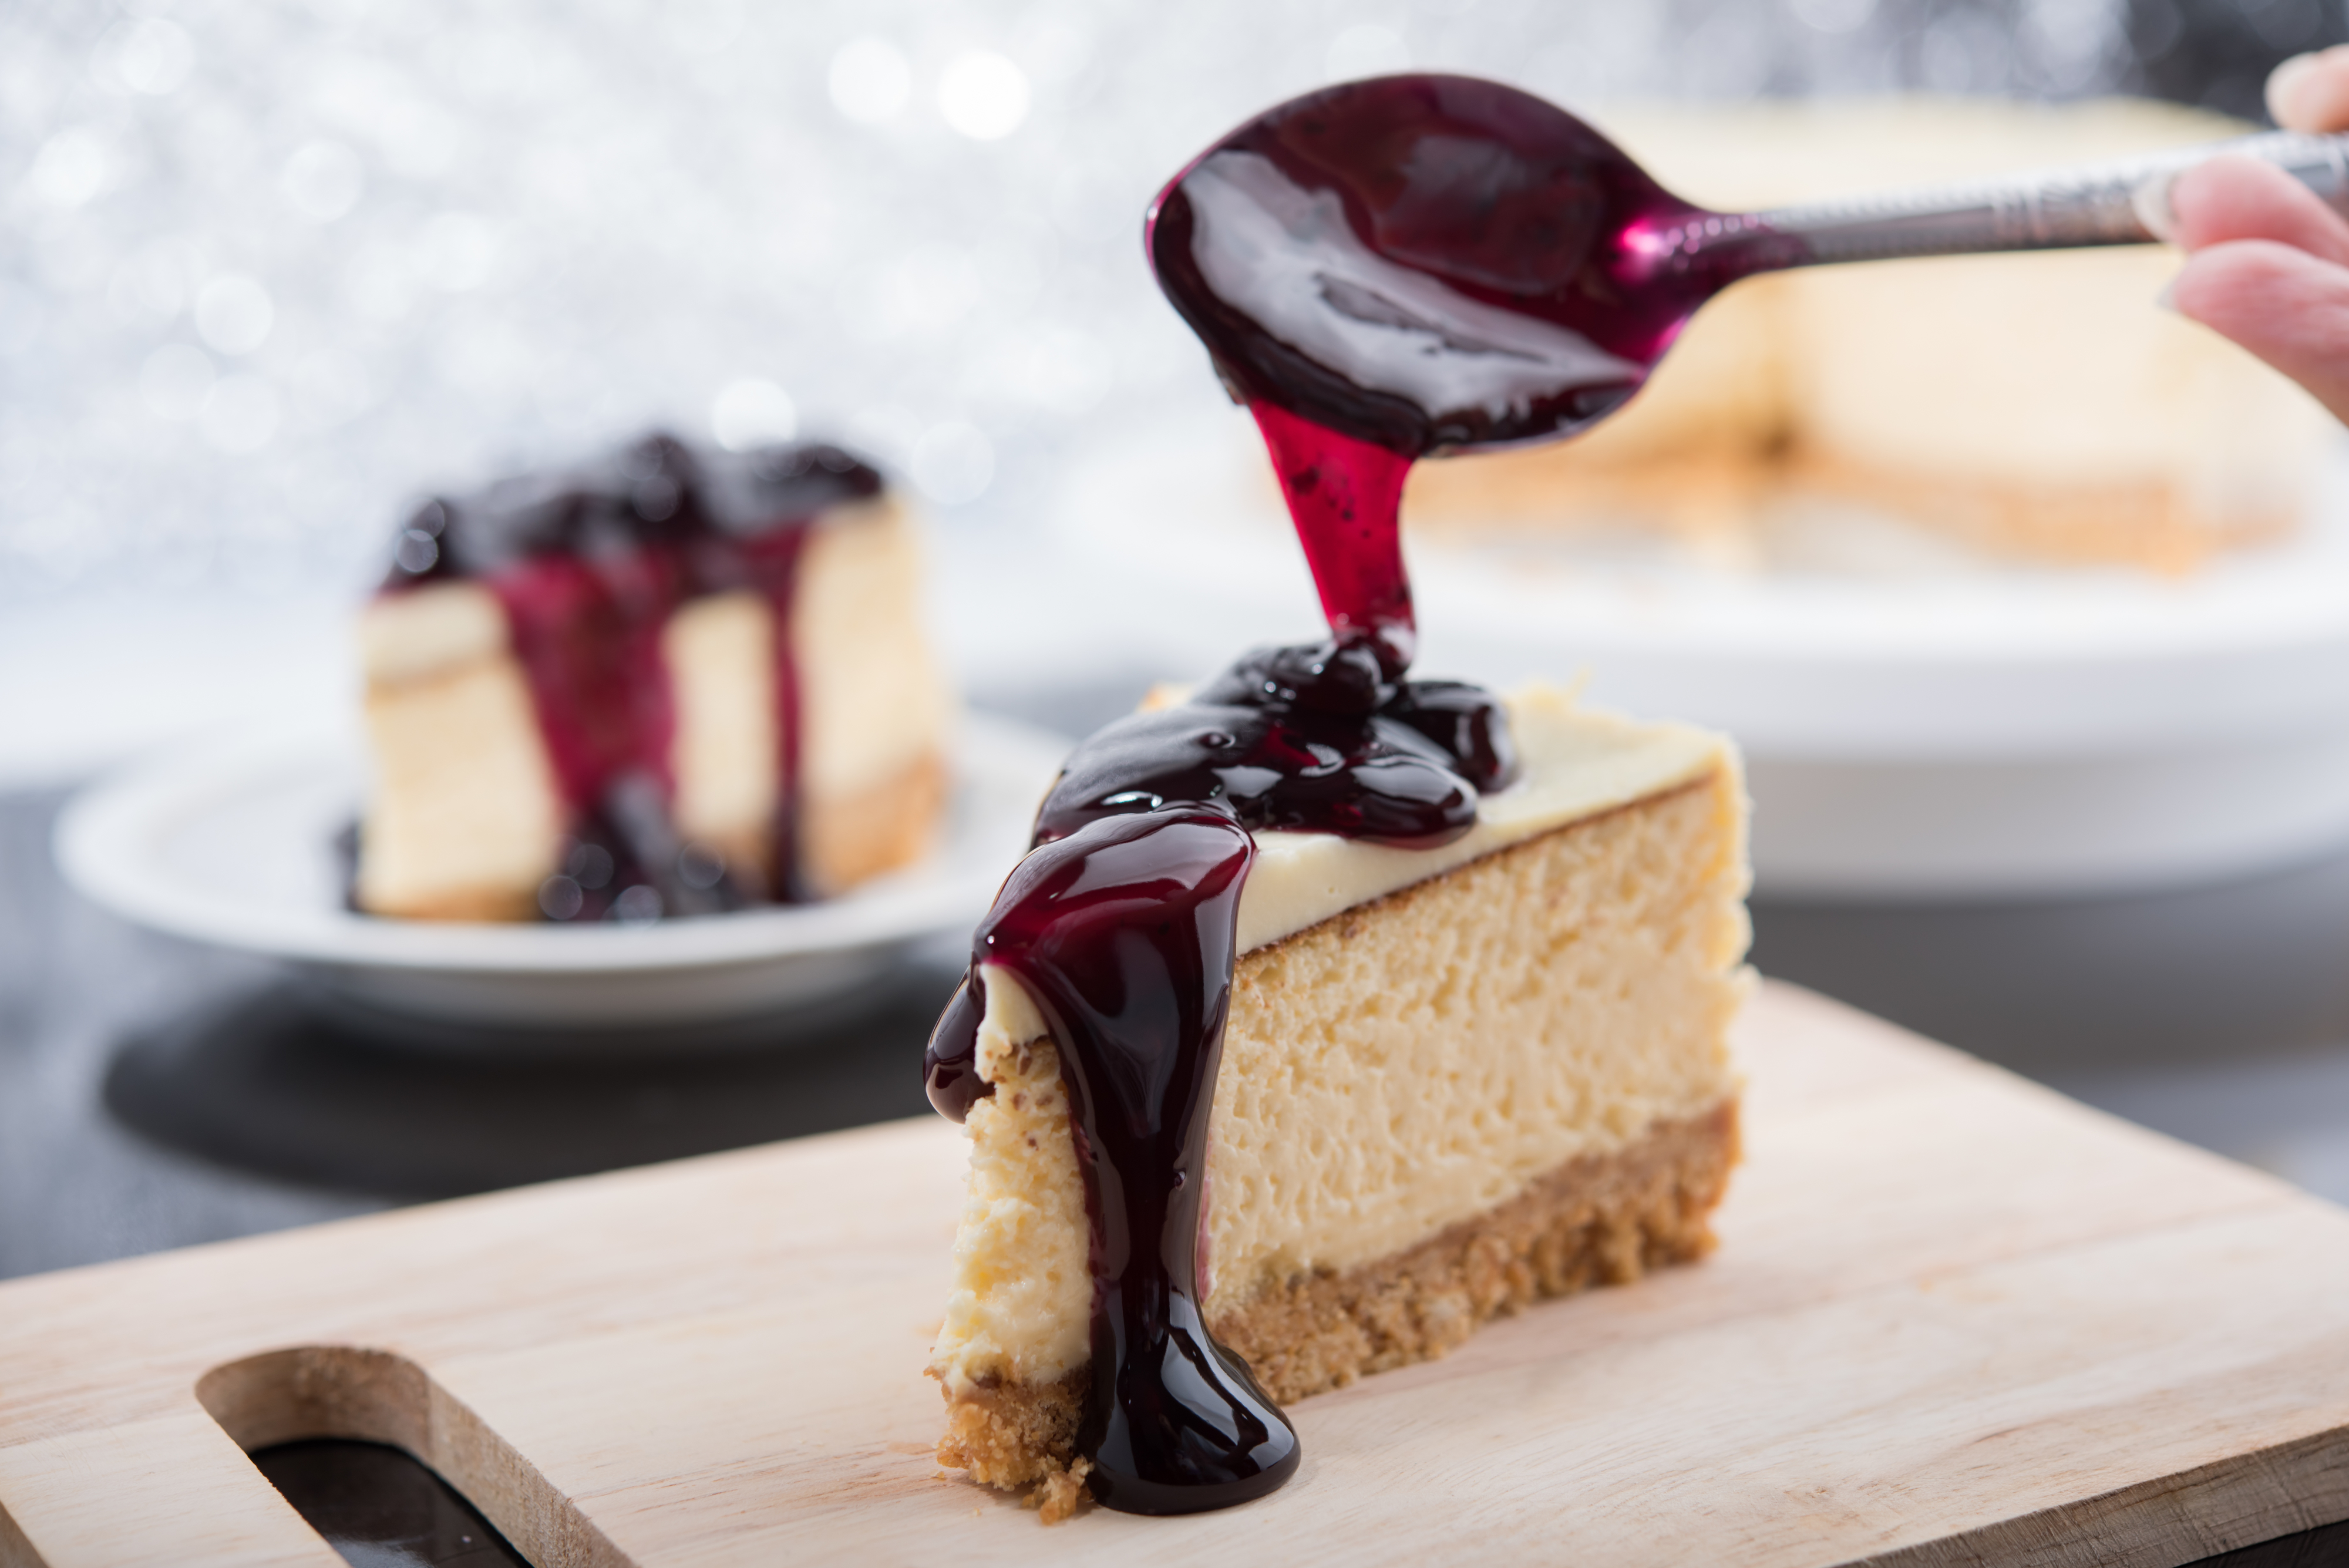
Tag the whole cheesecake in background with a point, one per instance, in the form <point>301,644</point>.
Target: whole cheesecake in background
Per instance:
<point>1453,1080</point>
<point>2034,407</point>
<point>667,681</point>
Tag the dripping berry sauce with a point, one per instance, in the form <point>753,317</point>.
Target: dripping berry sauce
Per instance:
<point>1381,271</point>
<point>1120,924</point>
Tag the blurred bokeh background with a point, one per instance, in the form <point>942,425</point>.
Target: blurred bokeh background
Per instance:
<point>271,268</point>
<point>268,270</point>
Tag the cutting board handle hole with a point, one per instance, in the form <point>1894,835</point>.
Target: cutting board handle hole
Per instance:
<point>379,1396</point>
<point>321,1391</point>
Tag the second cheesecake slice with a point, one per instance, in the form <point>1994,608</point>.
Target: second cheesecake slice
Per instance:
<point>1454,1082</point>
<point>702,674</point>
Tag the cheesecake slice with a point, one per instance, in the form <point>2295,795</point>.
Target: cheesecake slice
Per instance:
<point>1453,1080</point>
<point>669,682</point>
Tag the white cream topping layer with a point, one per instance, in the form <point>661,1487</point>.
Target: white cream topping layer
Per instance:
<point>1577,762</point>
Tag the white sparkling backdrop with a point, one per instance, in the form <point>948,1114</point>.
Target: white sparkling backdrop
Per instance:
<point>267,269</point>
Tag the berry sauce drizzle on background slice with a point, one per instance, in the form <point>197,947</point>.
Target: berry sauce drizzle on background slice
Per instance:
<point>589,565</point>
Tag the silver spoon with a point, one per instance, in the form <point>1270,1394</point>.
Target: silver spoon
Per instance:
<point>1433,263</point>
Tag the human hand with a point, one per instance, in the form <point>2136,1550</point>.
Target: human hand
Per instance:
<point>2267,262</point>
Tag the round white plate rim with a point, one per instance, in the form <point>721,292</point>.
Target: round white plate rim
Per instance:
<point>106,836</point>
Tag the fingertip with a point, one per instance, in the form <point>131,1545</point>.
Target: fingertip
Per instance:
<point>2282,304</point>
<point>2283,88</point>
<point>2263,296</point>
<point>2311,92</point>
<point>2232,197</point>
<point>2217,199</point>
<point>2237,285</point>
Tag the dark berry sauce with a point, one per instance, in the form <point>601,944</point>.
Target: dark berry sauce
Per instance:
<point>1381,271</point>
<point>1416,264</point>
<point>1123,932</point>
<point>588,563</point>
<point>1121,925</point>
<point>1313,738</point>
<point>1345,498</point>
<point>1428,262</point>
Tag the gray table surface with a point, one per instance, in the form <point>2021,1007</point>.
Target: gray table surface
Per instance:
<point>155,1094</point>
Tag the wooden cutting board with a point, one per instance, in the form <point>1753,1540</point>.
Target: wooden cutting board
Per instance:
<point>1954,1318</point>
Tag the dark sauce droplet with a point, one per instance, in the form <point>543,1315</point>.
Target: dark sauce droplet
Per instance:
<point>1345,496</point>
<point>1313,738</point>
<point>950,1061</point>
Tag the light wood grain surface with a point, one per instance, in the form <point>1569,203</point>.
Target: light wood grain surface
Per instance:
<point>1954,1319</point>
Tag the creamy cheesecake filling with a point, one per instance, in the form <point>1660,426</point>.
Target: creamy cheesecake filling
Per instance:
<point>1576,762</point>
<point>1385,1077</point>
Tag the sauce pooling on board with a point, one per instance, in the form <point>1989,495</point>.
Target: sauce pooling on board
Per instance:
<point>588,563</point>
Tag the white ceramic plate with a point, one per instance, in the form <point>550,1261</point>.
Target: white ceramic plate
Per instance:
<point>1919,724</point>
<point>232,844</point>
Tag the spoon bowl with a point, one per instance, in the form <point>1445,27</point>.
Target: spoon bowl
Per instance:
<point>1432,263</point>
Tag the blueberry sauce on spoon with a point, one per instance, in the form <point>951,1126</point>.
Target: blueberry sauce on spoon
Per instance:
<point>1424,263</point>
<point>1427,264</point>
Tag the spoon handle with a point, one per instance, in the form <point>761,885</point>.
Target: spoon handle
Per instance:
<point>2052,209</point>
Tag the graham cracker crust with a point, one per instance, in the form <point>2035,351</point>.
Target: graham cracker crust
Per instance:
<point>1600,1220</point>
